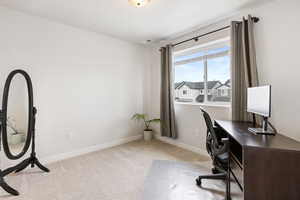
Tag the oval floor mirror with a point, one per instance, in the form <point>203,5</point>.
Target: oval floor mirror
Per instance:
<point>18,124</point>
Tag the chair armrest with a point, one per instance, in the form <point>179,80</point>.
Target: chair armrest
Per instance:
<point>225,141</point>
<point>224,148</point>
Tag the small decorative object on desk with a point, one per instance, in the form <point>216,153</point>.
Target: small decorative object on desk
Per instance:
<point>147,122</point>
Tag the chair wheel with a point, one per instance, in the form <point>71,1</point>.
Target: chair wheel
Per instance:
<point>214,171</point>
<point>198,182</point>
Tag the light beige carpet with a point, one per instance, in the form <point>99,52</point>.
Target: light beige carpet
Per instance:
<point>174,180</point>
<point>117,173</point>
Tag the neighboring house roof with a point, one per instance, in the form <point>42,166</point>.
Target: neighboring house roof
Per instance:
<point>178,84</point>
<point>197,85</point>
<point>228,83</point>
<point>222,86</point>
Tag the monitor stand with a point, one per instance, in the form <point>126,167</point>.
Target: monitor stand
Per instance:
<point>264,130</point>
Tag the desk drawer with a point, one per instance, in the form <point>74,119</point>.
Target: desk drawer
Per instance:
<point>237,172</point>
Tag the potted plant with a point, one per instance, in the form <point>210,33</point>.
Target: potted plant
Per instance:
<point>147,123</point>
<point>14,136</point>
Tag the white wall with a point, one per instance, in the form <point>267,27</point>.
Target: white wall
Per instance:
<point>86,85</point>
<point>277,42</point>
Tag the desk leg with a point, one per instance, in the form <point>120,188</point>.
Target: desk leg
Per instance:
<point>228,192</point>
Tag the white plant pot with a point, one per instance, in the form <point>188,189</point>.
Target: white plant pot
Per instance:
<point>147,135</point>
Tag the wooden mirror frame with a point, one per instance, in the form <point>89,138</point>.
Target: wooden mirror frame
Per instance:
<point>6,148</point>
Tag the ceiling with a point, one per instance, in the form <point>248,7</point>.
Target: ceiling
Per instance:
<point>158,20</point>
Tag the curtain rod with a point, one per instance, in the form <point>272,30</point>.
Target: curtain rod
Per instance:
<point>255,19</point>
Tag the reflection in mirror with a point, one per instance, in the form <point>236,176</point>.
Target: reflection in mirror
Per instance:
<point>17,114</point>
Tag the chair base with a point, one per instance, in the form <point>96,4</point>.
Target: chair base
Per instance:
<point>220,176</point>
<point>215,171</point>
<point>216,176</point>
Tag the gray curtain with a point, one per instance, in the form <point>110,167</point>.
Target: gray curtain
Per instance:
<point>244,68</point>
<point>167,113</point>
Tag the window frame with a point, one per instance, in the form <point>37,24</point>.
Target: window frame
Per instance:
<point>202,48</point>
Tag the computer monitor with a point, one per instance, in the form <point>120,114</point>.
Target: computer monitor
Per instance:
<point>259,102</point>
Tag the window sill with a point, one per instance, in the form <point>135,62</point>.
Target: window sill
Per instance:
<point>203,104</point>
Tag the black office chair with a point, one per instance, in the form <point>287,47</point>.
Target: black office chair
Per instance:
<point>217,147</point>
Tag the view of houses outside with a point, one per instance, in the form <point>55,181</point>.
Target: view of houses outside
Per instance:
<point>195,91</point>
<point>203,77</point>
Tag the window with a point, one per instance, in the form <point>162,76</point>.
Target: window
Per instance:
<point>202,75</point>
<point>185,80</point>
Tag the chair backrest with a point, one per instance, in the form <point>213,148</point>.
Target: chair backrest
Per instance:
<point>212,142</point>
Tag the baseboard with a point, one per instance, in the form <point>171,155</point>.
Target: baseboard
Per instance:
<point>181,145</point>
<point>98,147</point>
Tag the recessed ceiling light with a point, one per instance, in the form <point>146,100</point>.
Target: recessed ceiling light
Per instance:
<point>139,3</point>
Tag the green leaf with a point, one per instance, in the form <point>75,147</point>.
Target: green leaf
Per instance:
<point>143,117</point>
<point>138,116</point>
<point>154,120</point>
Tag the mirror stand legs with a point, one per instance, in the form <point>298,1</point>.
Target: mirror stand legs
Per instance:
<point>32,161</point>
<point>39,165</point>
<point>5,186</point>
